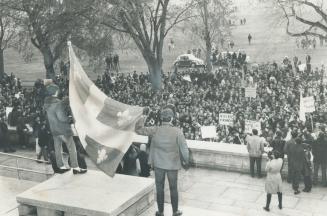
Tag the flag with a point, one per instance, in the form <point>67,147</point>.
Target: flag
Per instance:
<point>104,126</point>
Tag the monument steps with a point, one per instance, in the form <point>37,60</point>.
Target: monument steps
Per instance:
<point>187,211</point>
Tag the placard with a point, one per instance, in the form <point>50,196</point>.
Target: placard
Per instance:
<point>226,119</point>
<point>208,132</point>
<point>8,110</point>
<point>251,92</point>
<point>308,104</point>
<point>249,125</point>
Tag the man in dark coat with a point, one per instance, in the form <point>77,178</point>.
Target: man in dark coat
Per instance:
<point>287,147</point>
<point>168,153</point>
<point>319,151</point>
<point>4,137</point>
<point>297,161</point>
<point>60,129</point>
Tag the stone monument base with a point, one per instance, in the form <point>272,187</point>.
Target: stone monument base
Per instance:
<point>93,193</point>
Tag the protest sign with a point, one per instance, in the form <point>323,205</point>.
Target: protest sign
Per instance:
<point>208,132</point>
<point>308,104</point>
<point>8,110</point>
<point>251,92</point>
<point>187,78</point>
<point>226,119</point>
<point>249,125</point>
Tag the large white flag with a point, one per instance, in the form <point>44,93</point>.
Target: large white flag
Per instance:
<point>104,126</point>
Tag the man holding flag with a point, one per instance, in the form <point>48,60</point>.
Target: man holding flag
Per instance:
<point>168,153</point>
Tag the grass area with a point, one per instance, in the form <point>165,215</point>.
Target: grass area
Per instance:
<point>270,43</point>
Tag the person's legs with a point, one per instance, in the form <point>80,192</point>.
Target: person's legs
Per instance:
<point>289,173</point>
<point>280,200</point>
<point>252,159</point>
<point>267,202</point>
<point>172,179</point>
<point>58,151</point>
<point>307,183</point>
<point>296,181</point>
<point>160,187</point>
<point>323,173</point>
<point>258,161</point>
<point>315,172</point>
<point>72,150</point>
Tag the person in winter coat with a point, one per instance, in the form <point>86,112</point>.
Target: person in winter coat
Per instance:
<point>255,147</point>
<point>168,154</point>
<point>60,129</point>
<point>319,151</point>
<point>273,183</point>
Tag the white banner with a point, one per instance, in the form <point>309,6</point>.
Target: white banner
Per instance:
<point>251,92</point>
<point>208,132</point>
<point>249,125</point>
<point>226,119</point>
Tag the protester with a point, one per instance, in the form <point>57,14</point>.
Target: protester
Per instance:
<point>255,147</point>
<point>274,180</point>
<point>296,155</point>
<point>319,151</point>
<point>287,149</point>
<point>168,153</point>
<point>61,129</point>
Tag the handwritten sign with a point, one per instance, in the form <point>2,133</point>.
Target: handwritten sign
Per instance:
<point>251,92</point>
<point>250,125</point>
<point>308,104</point>
<point>226,119</point>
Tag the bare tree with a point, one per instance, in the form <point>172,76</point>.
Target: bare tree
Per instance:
<point>147,22</point>
<point>8,33</point>
<point>305,17</point>
<point>49,24</point>
<point>212,25</point>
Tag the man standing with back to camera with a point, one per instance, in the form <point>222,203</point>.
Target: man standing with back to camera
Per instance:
<point>168,153</point>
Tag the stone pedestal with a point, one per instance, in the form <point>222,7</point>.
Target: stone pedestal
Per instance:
<point>93,193</point>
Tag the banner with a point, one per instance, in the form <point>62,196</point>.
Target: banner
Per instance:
<point>226,119</point>
<point>251,92</point>
<point>105,127</point>
<point>249,125</point>
<point>208,132</point>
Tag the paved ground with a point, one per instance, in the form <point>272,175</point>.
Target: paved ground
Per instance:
<point>211,191</point>
<point>240,194</point>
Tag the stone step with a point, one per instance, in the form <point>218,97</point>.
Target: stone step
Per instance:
<point>187,211</point>
<point>93,193</point>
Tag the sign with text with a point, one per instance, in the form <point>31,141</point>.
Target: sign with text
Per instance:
<point>308,104</point>
<point>251,92</point>
<point>249,125</point>
<point>208,132</point>
<point>226,119</point>
<point>8,110</point>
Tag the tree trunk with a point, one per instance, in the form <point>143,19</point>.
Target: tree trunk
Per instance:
<point>48,61</point>
<point>155,74</point>
<point>2,64</point>
<point>208,56</point>
<point>207,37</point>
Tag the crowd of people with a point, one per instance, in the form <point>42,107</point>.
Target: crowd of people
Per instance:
<point>197,100</point>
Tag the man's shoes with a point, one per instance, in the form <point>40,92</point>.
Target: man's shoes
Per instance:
<point>266,209</point>
<point>79,171</point>
<point>11,150</point>
<point>177,213</point>
<point>280,206</point>
<point>297,192</point>
<point>63,170</point>
<point>159,213</point>
<point>307,190</point>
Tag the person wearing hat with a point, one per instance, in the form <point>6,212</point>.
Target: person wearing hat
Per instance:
<point>60,129</point>
<point>168,154</point>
